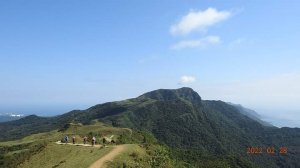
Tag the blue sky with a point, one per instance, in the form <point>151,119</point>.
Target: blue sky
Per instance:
<point>56,56</point>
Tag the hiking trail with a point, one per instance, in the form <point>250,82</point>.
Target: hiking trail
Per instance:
<point>108,157</point>
<point>77,144</point>
<point>101,161</point>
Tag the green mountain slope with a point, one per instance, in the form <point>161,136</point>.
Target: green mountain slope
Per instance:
<point>198,132</point>
<point>251,114</point>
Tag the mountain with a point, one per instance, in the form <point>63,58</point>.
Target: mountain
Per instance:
<point>198,133</point>
<point>251,114</point>
<point>10,117</point>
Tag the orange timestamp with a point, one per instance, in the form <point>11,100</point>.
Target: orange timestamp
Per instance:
<point>268,150</point>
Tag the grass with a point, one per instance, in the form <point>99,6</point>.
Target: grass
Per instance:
<point>75,129</point>
<point>65,156</point>
<point>132,156</point>
<point>47,136</point>
<point>54,155</point>
<point>17,151</point>
<point>104,130</point>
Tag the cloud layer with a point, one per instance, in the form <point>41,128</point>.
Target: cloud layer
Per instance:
<point>199,21</point>
<point>203,42</point>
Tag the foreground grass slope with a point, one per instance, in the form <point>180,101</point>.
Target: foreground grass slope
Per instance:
<point>40,150</point>
<point>146,156</point>
<point>65,156</point>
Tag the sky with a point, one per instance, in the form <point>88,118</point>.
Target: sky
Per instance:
<point>60,55</point>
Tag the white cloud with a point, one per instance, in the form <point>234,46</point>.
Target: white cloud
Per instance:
<point>209,40</point>
<point>199,20</point>
<point>187,79</point>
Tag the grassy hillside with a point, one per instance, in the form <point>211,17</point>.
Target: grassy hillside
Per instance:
<point>145,156</point>
<point>41,150</point>
<point>64,156</point>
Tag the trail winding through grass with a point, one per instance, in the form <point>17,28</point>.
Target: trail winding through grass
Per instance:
<point>108,157</point>
<point>101,161</point>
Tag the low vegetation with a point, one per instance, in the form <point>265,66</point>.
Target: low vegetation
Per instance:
<point>64,156</point>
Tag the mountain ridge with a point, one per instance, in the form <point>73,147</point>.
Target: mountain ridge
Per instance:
<point>180,119</point>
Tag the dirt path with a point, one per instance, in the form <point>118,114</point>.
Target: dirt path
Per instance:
<point>77,144</point>
<point>108,157</point>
